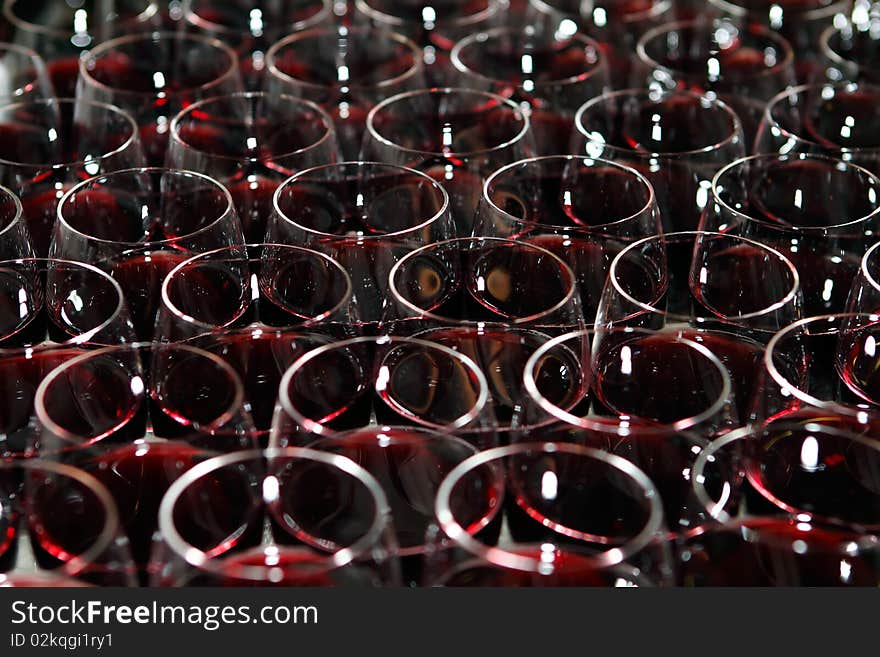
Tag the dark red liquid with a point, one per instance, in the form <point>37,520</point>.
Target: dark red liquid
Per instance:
<point>410,466</point>
<point>63,72</point>
<point>253,201</point>
<point>138,476</point>
<point>9,519</point>
<point>260,357</point>
<point>587,508</point>
<point>40,208</point>
<point>769,557</point>
<point>741,279</point>
<point>141,279</point>
<point>743,359</point>
<point>66,518</point>
<point>628,383</point>
<point>829,476</point>
<point>20,375</point>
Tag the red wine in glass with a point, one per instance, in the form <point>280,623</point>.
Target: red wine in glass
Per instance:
<point>137,476</point>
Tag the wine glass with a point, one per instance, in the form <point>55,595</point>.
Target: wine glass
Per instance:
<point>434,26</point>
<point>814,370</point>
<point>23,75</point>
<point>838,120</point>
<point>119,395</point>
<point>355,383</point>
<point>277,517</point>
<point>820,213</point>
<point>345,70</point>
<point>155,76</point>
<point>802,22</point>
<point>816,473</point>
<point>577,516</point>
<point>70,519</point>
<point>266,286</point>
<point>622,379</point>
<point>617,24</point>
<point>677,139</point>
<point>251,142</point>
<point>62,301</point>
<point>71,303</point>
<point>138,224</point>
<point>849,47</point>
<point>582,209</point>
<point>728,293</point>
<point>48,146</point>
<point>548,77</point>
<point>62,32</point>
<point>495,300</point>
<point>745,66</point>
<point>409,463</point>
<point>456,136</point>
<point>252,27</point>
<point>366,216</point>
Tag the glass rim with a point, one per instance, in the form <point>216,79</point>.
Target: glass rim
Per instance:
<point>492,7</point>
<point>85,184</point>
<point>790,157</point>
<point>174,129</point>
<point>792,389</point>
<point>18,218</point>
<point>205,256</point>
<point>698,26</point>
<point>421,313</point>
<point>831,53</point>
<point>319,430</point>
<point>651,307</point>
<point>811,14</point>
<point>47,423</point>
<point>86,336</point>
<point>649,206</point>
<point>715,508</point>
<point>490,34</point>
<point>446,91</point>
<point>36,60</point>
<point>658,96</point>
<point>193,18</point>
<point>513,561</point>
<point>112,525</point>
<point>201,560</point>
<point>150,11</point>
<point>106,46</point>
<point>299,176</point>
<point>601,424</point>
<point>817,87</point>
<point>318,32</point>
<point>657,8</point>
<point>869,254</point>
<point>76,104</point>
